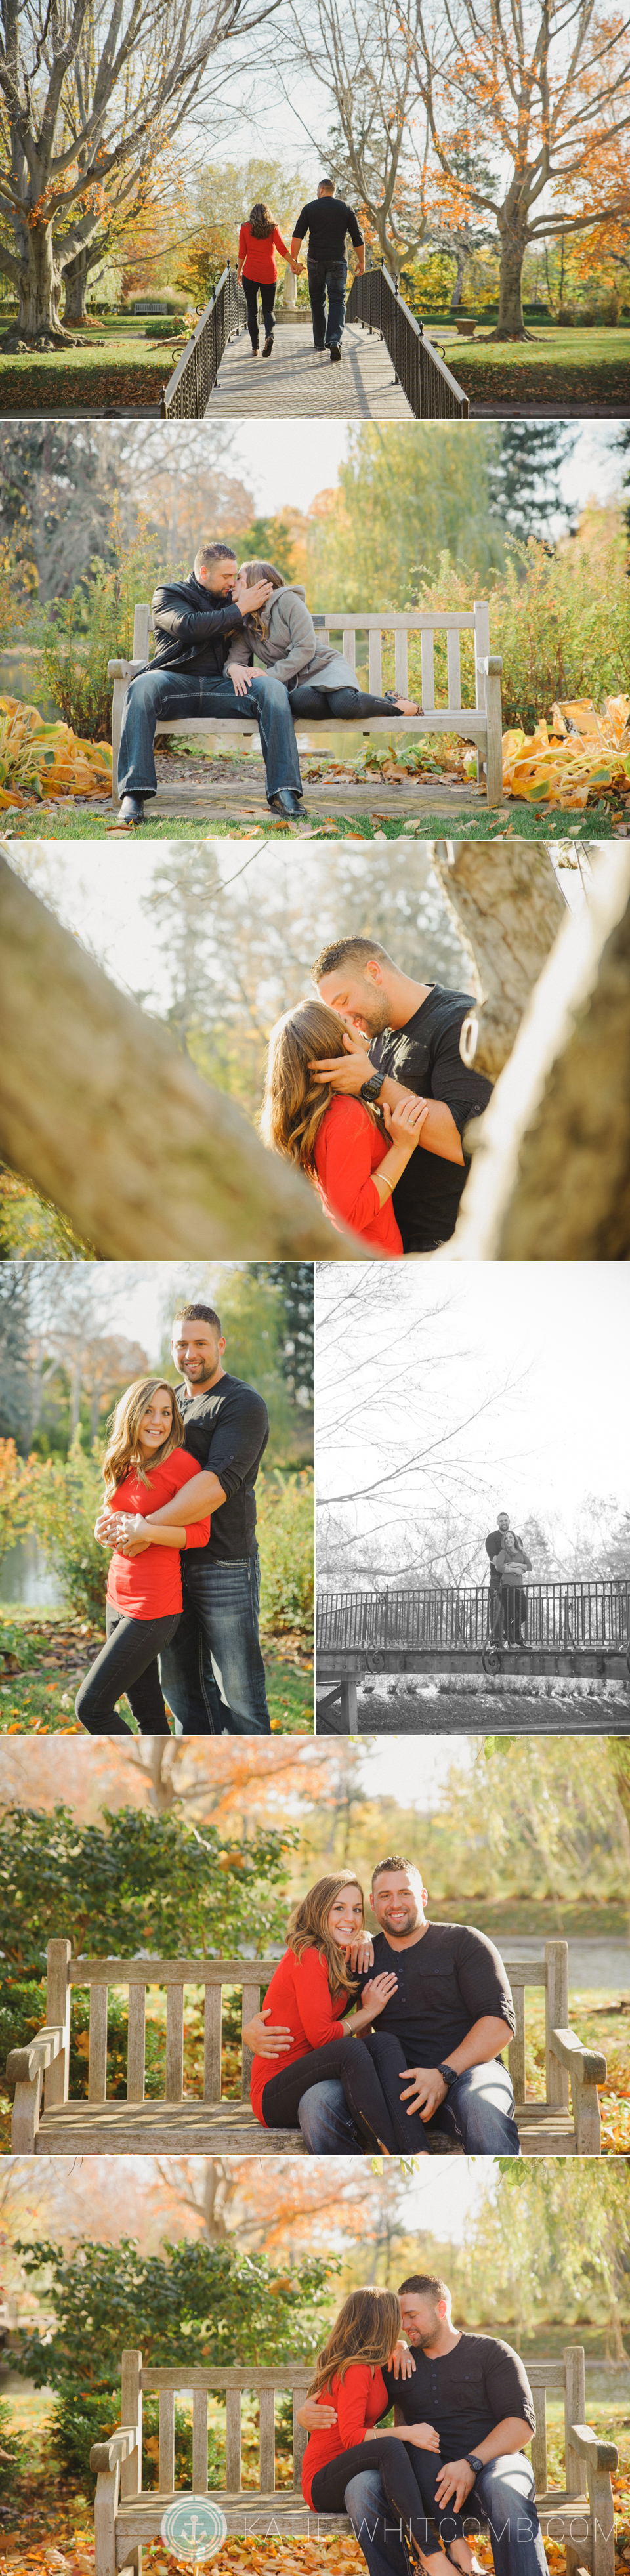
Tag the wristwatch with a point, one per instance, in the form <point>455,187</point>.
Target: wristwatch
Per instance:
<point>372,1089</point>
<point>474,2461</point>
<point>448,2074</point>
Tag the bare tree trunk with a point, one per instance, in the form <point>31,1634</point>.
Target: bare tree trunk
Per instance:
<point>505,902</point>
<point>513,238</point>
<point>100,1111</point>
<point>75,288</point>
<point>550,1179</point>
<point>39,290</point>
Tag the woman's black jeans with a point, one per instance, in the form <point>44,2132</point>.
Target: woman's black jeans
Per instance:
<point>267,294</point>
<point>307,699</point>
<point>127,1663</point>
<point>396,2468</point>
<point>369,2069</point>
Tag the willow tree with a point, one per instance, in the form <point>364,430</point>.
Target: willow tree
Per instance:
<point>91,92</point>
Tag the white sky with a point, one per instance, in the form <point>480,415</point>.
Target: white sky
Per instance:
<point>554,1336</point>
<point>288,470</point>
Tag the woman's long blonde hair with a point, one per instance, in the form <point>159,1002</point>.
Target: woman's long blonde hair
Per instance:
<point>295,1102</point>
<point>259,571</point>
<point>308,1928</point>
<point>366,2329</point>
<point>123,1448</point>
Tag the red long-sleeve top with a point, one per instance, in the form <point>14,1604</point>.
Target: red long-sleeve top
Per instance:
<point>360,2398</point>
<point>348,1149</point>
<point>259,257</point>
<point>300,2000</point>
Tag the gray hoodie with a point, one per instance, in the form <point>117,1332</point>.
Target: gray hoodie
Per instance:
<point>290,646</point>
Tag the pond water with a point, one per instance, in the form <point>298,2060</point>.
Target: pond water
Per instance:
<point>599,1962</point>
<point>27,1576</point>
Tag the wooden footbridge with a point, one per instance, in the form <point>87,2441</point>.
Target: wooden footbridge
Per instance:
<point>579,1629</point>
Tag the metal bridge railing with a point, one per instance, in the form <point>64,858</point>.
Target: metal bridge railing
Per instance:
<point>188,391</point>
<point>556,1616</point>
<point>432,392</point>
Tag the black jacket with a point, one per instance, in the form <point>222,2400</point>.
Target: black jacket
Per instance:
<point>191,632</point>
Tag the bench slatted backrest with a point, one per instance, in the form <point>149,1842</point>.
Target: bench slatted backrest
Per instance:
<point>344,625</point>
<point>234,2385</point>
<point>552,1974</point>
<point>565,2377</point>
<point>252,1975</point>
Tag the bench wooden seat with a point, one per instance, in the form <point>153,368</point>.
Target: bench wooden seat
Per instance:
<point>581,2512</point>
<point>567,2122</point>
<point>480,724</point>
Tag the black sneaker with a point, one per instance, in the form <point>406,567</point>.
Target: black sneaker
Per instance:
<point>286,801</point>
<point>335,355</point>
<point>132,810</point>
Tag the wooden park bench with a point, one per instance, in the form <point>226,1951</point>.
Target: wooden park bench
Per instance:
<point>480,724</point>
<point>179,2123</point>
<point>580,2514</point>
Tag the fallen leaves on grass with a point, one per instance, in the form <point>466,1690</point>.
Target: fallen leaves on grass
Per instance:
<point>585,756</point>
<point>39,759</point>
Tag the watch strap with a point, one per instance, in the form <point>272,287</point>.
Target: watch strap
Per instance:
<point>449,2073</point>
<point>370,1090</point>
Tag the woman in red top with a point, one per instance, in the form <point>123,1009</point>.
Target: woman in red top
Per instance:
<point>353,1154</point>
<point>349,2379</point>
<point>307,1998</point>
<point>145,1462</point>
<point>258,242</point>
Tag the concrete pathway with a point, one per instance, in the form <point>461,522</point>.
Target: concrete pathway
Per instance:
<point>296,384</point>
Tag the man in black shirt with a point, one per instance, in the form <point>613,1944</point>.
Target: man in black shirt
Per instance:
<point>451,2011</point>
<point>416,1044</point>
<point>327,220</point>
<point>212,1673</point>
<point>470,2399</point>
<point>195,623</point>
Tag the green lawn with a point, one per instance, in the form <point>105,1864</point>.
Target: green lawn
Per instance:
<point>520,822</point>
<point>577,366</point>
<point>125,369</point>
<point>44,1654</point>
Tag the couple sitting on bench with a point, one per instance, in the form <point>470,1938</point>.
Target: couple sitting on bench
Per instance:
<point>208,632</point>
<point>375,2042</point>
<point>454,2458</point>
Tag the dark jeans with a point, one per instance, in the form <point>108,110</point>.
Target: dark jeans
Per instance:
<point>127,1664</point>
<point>213,1673</point>
<point>478,2111</point>
<point>313,699</point>
<point>252,290</point>
<point>157,695</point>
<point>327,277</point>
<point>503,2495</point>
<point>396,2468</point>
<point>368,2070</point>
<point>514,1606</point>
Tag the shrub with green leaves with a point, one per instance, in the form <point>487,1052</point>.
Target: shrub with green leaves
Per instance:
<point>136,1883</point>
<point>285,1538</point>
<point>210,2306</point>
<point>94,625</point>
<point>65,1496</point>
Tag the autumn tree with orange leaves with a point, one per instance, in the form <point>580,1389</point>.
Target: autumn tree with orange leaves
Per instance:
<point>91,92</point>
<point>552,80</point>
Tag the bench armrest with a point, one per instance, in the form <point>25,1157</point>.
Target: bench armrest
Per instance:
<point>107,2455</point>
<point>124,670</point>
<point>587,2063</point>
<point>25,2064</point>
<point>600,2455</point>
<point>490,663</point>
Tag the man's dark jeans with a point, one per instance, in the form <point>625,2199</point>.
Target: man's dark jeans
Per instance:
<point>127,1665</point>
<point>503,2493</point>
<point>478,2111</point>
<point>267,294</point>
<point>327,277</point>
<point>159,694</point>
<point>213,1674</point>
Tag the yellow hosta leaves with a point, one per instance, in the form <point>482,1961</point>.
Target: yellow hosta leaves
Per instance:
<point>584,753</point>
<point>39,759</point>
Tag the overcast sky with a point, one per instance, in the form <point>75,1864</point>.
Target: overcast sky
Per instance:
<point>530,1359</point>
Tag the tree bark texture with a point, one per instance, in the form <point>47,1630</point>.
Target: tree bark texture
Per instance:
<point>101,1113</point>
<point>505,902</point>
<point>550,1179</point>
<point>514,237</point>
<point>75,283</point>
